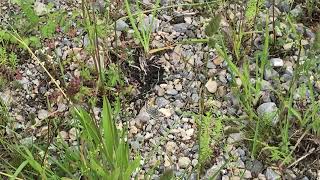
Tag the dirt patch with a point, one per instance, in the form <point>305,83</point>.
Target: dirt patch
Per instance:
<point>143,76</point>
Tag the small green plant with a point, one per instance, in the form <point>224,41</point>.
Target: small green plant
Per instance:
<point>113,76</point>
<point>210,133</point>
<point>142,34</point>
<point>3,83</point>
<point>102,154</point>
<point>230,46</point>
<point>6,59</point>
<point>205,138</point>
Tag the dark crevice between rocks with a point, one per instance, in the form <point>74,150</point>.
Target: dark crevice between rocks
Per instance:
<point>143,80</point>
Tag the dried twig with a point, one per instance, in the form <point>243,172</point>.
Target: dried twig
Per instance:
<point>301,158</point>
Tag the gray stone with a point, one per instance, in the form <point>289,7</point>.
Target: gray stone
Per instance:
<point>297,11</point>
<point>276,62</point>
<point>255,167</point>
<point>266,85</point>
<point>43,114</point>
<point>166,112</point>
<point>288,46</point>
<point>247,174</point>
<point>210,65</point>
<point>215,169</point>
<point>181,27</point>
<point>28,141</point>
<point>195,98</point>
<point>121,25</point>
<point>143,115</point>
<point>268,110</point>
<point>40,8</point>
<point>62,107</point>
<point>310,34</point>
<point>271,174</point>
<point>172,92</point>
<point>234,137</point>
<point>149,23</point>
<point>284,6</point>
<point>290,175</point>
<point>225,177</point>
<point>270,74</point>
<point>162,102</point>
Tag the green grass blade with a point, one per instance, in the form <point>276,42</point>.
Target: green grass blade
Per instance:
<point>19,169</point>
<point>109,131</point>
<point>133,24</point>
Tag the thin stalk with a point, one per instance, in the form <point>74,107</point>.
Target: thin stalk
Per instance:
<point>273,23</point>
<point>96,49</point>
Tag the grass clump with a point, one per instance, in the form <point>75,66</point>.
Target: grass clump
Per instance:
<point>102,154</point>
<point>270,134</point>
<point>144,31</point>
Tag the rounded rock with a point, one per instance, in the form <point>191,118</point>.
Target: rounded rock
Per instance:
<point>184,162</point>
<point>211,86</point>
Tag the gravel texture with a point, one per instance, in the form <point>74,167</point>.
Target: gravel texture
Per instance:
<point>164,129</point>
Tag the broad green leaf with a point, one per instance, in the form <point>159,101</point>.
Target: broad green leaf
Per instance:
<point>109,130</point>
<point>96,166</point>
<point>132,166</point>
<point>89,127</point>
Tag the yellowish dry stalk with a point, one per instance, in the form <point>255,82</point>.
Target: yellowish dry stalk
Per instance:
<point>18,38</point>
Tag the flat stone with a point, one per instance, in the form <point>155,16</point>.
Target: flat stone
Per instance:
<point>288,46</point>
<point>172,92</point>
<point>43,114</point>
<point>143,115</point>
<point>247,174</point>
<point>211,86</point>
<point>121,25</point>
<point>271,174</point>
<point>181,27</point>
<point>276,62</point>
<point>184,162</point>
<point>171,146</point>
<point>162,102</point>
<point>165,112</point>
<point>234,137</point>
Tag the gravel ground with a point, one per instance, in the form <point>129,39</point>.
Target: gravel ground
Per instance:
<point>164,129</point>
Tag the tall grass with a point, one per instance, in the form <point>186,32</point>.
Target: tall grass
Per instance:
<point>102,152</point>
<point>260,130</point>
